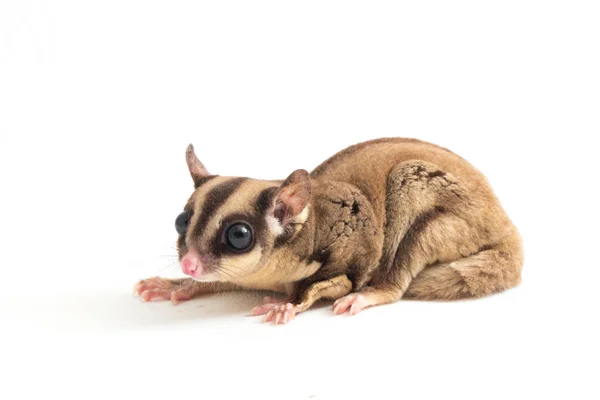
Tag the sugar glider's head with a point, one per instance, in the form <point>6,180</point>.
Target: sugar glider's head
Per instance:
<point>229,225</point>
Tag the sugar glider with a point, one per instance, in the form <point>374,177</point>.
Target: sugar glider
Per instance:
<point>379,221</point>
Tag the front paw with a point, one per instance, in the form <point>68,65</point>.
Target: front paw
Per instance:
<point>157,288</point>
<point>282,313</point>
<point>268,304</point>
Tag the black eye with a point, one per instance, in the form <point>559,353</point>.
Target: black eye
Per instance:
<point>239,236</point>
<point>182,222</point>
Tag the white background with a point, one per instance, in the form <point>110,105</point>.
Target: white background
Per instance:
<point>98,101</point>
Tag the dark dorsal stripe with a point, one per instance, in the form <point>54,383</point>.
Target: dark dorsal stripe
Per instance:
<point>265,199</point>
<point>215,198</point>
<point>201,181</point>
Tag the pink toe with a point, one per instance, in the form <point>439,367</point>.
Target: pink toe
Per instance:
<point>177,297</point>
<point>339,307</point>
<point>265,308</point>
<point>146,295</point>
<point>269,315</point>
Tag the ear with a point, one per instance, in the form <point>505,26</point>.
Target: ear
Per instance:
<point>197,169</point>
<point>292,198</point>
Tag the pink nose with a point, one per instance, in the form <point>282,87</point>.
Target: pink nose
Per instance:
<point>191,264</point>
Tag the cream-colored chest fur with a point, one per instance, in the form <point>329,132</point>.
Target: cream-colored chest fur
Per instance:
<point>281,269</point>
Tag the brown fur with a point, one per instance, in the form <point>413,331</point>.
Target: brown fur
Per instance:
<point>389,218</point>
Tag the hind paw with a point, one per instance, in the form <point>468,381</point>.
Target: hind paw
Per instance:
<point>353,303</point>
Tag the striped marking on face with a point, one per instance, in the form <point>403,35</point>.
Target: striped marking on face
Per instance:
<point>222,200</point>
<point>240,206</point>
<point>216,198</point>
<point>208,197</point>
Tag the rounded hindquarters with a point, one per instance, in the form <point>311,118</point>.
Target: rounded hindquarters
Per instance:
<point>491,270</point>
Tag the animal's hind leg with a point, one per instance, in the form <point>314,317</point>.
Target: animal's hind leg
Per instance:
<point>367,297</point>
<point>487,272</point>
<point>428,239</point>
<point>484,273</point>
<point>425,212</point>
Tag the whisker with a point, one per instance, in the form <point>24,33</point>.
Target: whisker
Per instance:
<point>237,274</point>
<point>172,269</point>
<point>226,274</point>
<point>232,273</point>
